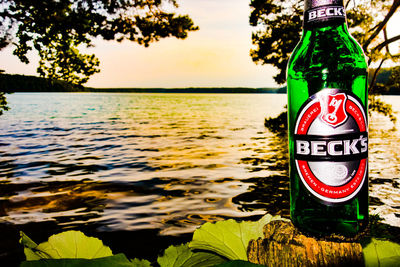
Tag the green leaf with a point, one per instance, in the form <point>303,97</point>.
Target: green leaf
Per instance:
<point>26,241</point>
<point>141,263</point>
<point>238,263</point>
<point>66,245</point>
<point>29,248</point>
<point>118,260</point>
<point>230,238</point>
<point>381,253</point>
<point>183,256</point>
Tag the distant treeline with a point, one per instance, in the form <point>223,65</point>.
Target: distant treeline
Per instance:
<point>22,83</point>
<point>218,90</point>
<point>11,83</point>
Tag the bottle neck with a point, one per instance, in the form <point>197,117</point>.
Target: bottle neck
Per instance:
<point>323,13</point>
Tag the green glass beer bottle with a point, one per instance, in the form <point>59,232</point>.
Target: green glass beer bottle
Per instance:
<point>328,125</point>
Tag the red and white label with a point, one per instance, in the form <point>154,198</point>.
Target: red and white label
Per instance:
<point>331,145</point>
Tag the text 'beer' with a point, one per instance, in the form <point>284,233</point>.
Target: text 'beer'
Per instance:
<point>328,125</point>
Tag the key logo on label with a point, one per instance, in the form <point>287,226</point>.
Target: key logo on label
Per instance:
<point>333,109</point>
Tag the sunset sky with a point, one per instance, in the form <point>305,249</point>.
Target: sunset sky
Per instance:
<point>215,56</point>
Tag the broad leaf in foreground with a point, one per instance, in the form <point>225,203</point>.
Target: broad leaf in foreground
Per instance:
<point>118,260</point>
<point>230,238</point>
<point>66,245</point>
<point>140,263</point>
<point>183,256</point>
<point>381,253</point>
<point>30,248</point>
<point>238,263</point>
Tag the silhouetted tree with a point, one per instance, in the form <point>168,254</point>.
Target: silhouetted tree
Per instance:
<point>3,103</point>
<point>279,26</point>
<point>58,29</point>
<point>394,78</point>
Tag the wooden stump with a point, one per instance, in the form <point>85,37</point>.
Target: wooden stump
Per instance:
<point>283,245</point>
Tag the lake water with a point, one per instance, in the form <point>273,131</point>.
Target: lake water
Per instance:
<point>157,164</point>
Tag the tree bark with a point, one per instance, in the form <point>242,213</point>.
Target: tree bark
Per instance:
<point>284,245</point>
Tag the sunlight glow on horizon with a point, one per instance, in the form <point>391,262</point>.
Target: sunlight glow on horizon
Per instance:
<point>218,55</point>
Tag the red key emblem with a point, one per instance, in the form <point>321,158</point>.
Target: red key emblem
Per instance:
<point>333,109</point>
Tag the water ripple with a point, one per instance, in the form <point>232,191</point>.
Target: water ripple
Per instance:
<point>165,162</point>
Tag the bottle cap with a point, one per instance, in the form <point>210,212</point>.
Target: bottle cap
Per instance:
<point>317,3</point>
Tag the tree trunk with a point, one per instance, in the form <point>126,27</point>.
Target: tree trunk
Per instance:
<point>284,245</point>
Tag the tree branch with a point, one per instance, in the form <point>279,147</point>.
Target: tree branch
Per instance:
<point>386,42</point>
<point>381,25</point>
<point>386,38</point>
<point>373,81</point>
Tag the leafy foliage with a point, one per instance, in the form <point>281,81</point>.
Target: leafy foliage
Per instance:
<point>279,25</point>
<point>211,246</point>
<point>61,59</point>
<point>377,105</point>
<point>73,248</point>
<point>394,78</point>
<point>278,125</point>
<point>381,253</point>
<point>279,29</point>
<point>118,260</point>
<point>140,263</point>
<point>3,103</point>
<point>66,245</point>
<point>229,238</point>
<point>183,256</point>
<point>59,29</point>
<point>238,263</point>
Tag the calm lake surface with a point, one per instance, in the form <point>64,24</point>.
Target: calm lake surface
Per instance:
<point>158,163</point>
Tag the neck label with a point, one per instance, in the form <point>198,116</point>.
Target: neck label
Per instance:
<point>324,14</point>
